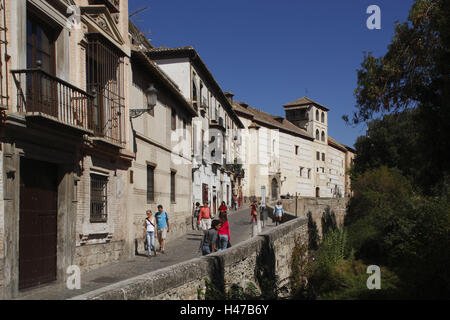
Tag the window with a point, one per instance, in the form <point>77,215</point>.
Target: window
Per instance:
<point>174,120</point>
<point>205,192</point>
<point>317,134</point>
<point>317,115</point>
<point>150,184</point>
<point>105,76</point>
<point>194,91</point>
<point>172,186</point>
<point>301,171</point>
<point>323,156</point>
<point>99,197</point>
<point>309,173</point>
<point>184,128</point>
<point>203,142</point>
<point>323,117</point>
<point>296,150</point>
<point>323,135</point>
<point>317,155</point>
<point>40,45</point>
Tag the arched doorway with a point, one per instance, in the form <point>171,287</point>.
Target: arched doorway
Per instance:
<point>317,192</point>
<point>274,189</point>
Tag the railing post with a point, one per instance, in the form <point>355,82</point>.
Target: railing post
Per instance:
<point>94,109</point>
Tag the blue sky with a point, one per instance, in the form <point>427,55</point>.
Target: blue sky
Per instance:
<point>269,53</point>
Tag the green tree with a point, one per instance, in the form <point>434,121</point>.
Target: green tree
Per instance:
<point>415,73</point>
<point>390,141</point>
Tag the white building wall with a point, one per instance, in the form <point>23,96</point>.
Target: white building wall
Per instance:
<point>179,70</point>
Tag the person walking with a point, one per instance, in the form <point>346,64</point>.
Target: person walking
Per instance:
<point>195,215</point>
<point>163,226</point>
<point>278,212</point>
<point>262,214</point>
<point>210,238</point>
<point>240,200</point>
<point>253,212</point>
<point>224,232</point>
<point>150,232</point>
<point>223,208</point>
<point>204,217</point>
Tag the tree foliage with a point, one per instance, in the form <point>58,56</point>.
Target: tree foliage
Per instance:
<point>413,74</point>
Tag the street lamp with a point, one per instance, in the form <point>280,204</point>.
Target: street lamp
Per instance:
<point>152,96</point>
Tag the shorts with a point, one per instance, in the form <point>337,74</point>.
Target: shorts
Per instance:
<point>162,234</point>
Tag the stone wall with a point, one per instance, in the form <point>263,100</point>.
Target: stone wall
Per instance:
<point>92,256</point>
<point>240,264</point>
<point>323,210</point>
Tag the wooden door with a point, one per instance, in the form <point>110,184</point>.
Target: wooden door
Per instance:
<point>38,223</point>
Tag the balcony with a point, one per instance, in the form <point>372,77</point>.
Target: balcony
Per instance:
<point>41,94</point>
<point>100,114</point>
<point>113,5</point>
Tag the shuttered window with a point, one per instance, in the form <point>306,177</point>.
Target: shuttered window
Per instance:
<point>172,186</point>
<point>150,184</point>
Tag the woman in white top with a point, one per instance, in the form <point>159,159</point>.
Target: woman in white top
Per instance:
<point>150,232</point>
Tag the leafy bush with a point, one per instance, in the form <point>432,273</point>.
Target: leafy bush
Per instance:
<point>389,224</point>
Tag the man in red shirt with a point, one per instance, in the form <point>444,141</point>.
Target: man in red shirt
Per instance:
<point>204,217</point>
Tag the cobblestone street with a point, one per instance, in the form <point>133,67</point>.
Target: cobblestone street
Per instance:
<point>182,249</point>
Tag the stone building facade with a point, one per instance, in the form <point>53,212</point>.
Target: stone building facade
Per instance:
<point>214,131</point>
<point>162,142</point>
<point>65,150</point>
<point>292,155</point>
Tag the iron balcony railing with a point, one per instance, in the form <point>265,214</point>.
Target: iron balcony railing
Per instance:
<point>99,112</point>
<point>39,91</point>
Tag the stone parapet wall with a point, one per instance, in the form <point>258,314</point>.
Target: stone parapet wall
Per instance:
<point>270,251</point>
<point>321,209</point>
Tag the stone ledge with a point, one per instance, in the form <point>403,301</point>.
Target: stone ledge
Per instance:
<point>158,282</point>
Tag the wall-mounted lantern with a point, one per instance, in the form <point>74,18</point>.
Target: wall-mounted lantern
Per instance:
<point>152,96</point>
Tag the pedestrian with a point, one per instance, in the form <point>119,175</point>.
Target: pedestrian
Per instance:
<point>195,215</point>
<point>163,226</point>
<point>150,231</point>
<point>204,217</point>
<point>278,212</point>
<point>253,211</point>
<point>262,214</point>
<point>234,202</point>
<point>210,238</point>
<point>224,232</point>
<point>223,208</point>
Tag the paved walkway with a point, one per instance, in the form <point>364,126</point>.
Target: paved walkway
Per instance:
<point>179,250</point>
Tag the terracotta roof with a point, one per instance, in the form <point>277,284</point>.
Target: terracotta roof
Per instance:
<point>153,70</point>
<point>189,52</point>
<point>332,142</point>
<point>304,101</point>
<point>269,120</point>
